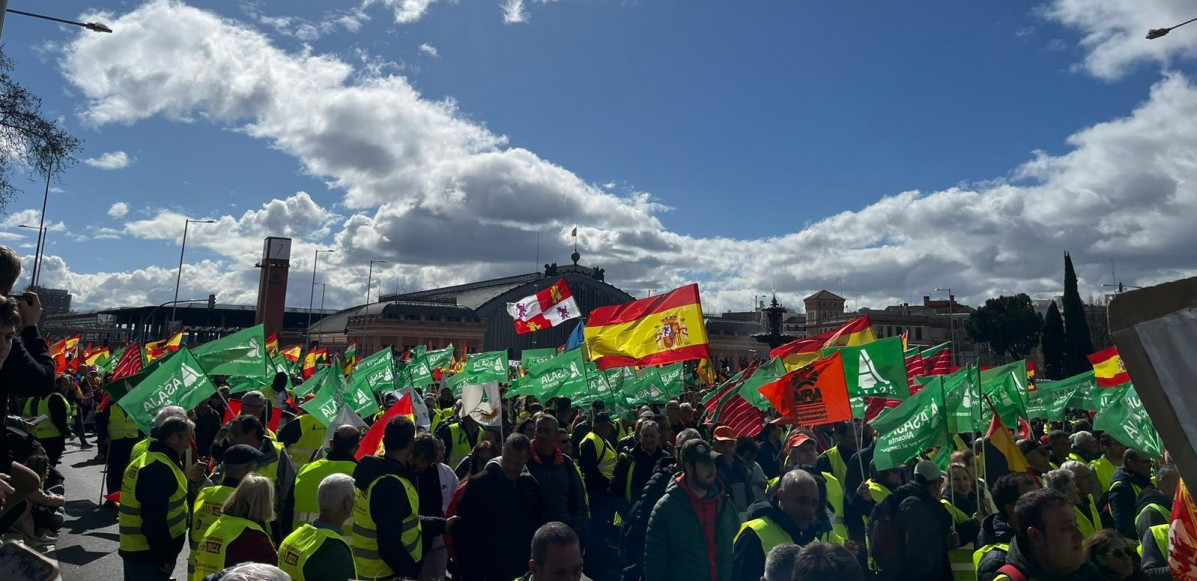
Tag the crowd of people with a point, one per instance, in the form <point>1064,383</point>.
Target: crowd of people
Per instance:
<point>558,492</point>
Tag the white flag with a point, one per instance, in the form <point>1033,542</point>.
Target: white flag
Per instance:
<point>482,402</point>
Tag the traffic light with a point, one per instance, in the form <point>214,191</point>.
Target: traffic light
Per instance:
<point>211,302</point>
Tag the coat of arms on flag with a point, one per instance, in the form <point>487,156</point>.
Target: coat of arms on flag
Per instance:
<point>547,308</point>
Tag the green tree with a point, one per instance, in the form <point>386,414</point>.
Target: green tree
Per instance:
<point>1077,343</point>
<point>27,138</point>
<point>1009,324</point>
<point>1054,349</point>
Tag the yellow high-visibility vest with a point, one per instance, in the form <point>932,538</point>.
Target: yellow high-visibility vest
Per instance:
<point>310,440</point>
<point>772,535</point>
<point>40,406</point>
<point>300,545</point>
<point>603,452</point>
<point>120,425</point>
<point>307,482</point>
<point>132,538</point>
<point>366,557</point>
<point>213,546</point>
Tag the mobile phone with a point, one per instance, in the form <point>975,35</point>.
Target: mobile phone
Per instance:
<point>21,563</point>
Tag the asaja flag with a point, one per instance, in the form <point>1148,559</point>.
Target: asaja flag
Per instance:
<point>798,353</point>
<point>563,374</point>
<point>530,358</point>
<point>1108,368</point>
<point>547,308</point>
<point>1122,416</point>
<point>372,441</point>
<point>875,369</point>
<point>376,372</point>
<point>178,381</point>
<point>904,432</point>
<point>813,395</point>
<point>242,354</point>
<point>663,329</point>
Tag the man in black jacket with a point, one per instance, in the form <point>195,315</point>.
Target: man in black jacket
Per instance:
<point>998,530</point>
<point>563,495</point>
<point>1049,545</point>
<point>796,514</point>
<point>1129,481</point>
<point>502,495</point>
<point>635,466</point>
<point>924,528</point>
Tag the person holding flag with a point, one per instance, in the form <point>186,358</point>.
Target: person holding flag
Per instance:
<point>239,462</point>
<point>51,416</point>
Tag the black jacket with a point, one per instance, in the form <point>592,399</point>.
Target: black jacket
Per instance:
<point>388,508</point>
<point>968,530</point>
<point>748,562</point>
<point>631,543</point>
<point>155,485</point>
<point>768,456</point>
<point>1024,563</point>
<point>1123,499</point>
<point>1147,519</point>
<point>491,502</point>
<point>563,496</point>
<point>994,531</point>
<point>924,525</point>
<point>641,465</point>
<point>27,372</point>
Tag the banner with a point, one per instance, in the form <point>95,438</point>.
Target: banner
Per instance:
<point>179,380</point>
<point>1123,417</point>
<point>904,432</point>
<point>876,369</point>
<point>813,395</point>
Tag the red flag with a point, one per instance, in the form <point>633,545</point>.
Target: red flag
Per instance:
<point>372,442</point>
<point>129,364</point>
<point>742,417</point>
<point>1182,552</point>
<point>914,368</point>
<point>104,403</point>
<point>814,394</point>
<point>114,497</point>
<point>234,410</point>
<point>937,360</point>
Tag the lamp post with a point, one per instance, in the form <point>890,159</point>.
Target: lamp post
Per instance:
<point>179,277</point>
<point>92,26</point>
<point>36,256</point>
<point>1155,33</point>
<point>370,279</point>
<point>316,261</point>
<point>951,321</point>
<point>323,287</point>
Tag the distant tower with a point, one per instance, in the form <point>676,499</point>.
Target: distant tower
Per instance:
<point>272,285</point>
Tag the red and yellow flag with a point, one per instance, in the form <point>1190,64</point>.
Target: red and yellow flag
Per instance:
<point>272,344</point>
<point>663,329</point>
<point>802,352</point>
<point>813,395</point>
<point>98,357</point>
<point>292,353</point>
<point>1108,368</point>
<point>1182,552</point>
<point>155,350</point>
<point>372,442</point>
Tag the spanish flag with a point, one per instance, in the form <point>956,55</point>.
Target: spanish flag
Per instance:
<point>372,442</point>
<point>292,353</point>
<point>272,344</point>
<point>1002,454</point>
<point>158,349</point>
<point>802,352</point>
<point>663,329</point>
<point>1108,368</point>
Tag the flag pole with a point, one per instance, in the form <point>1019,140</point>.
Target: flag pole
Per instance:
<point>947,430</point>
<point>976,466</point>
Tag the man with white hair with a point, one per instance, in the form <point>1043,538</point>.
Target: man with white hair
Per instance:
<point>170,411</point>
<point>317,550</point>
<point>779,563</point>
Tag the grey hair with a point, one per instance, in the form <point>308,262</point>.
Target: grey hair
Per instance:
<point>795,477</point>
<point>253,397</point>
<point>1081,437</point>
<point>1079,469</point>
<point>170,411</point>
<point>253,572</point>
<point>1059,480</point>
<point>779,564</point>
<point>333,491</point>
<point>684,436</point>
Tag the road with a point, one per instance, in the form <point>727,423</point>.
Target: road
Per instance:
<point>87,544</point>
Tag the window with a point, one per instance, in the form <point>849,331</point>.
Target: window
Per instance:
<point>918,333</point>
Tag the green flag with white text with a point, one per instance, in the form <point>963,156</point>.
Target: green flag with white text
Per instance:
<point>376,373</point>
<point>241,354</point>
<point>534,357</point>
<point>178,381</point>
<point>917,424</point>
<point>876,369</point>
<point>563,375</point>
<point>1122,416</point>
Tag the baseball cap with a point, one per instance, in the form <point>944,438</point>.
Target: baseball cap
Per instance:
<point>723,434</point>
<point>242,454</point>
<point>796,439</point>
<point>694,451</point>
<point>926,472</point>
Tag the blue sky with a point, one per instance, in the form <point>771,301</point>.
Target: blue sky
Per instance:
<point>747,146</point>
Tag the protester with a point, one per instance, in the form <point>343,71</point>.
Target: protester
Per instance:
<point>674,547</point>
<point>632,540</point>
<point>303,438</point>
<point>556,554</point>
<point>460,438</point>
<point>779,563</point>
<point>1085,447</point>
<point>1000,528</point>
<point>153,514</point>
<point>51,418</point>
<point>47,513</point>
<point>563,494</point>
<point>1048,544</point>
<point>731,472</point>
<point>255,405</point>
<point>769,450</point>
<point>968,459</point>
<point>387,539</point>
<point>275,464</point>
<point>924,532</point>
<point>503,493</point>
<point>835,459</point>
<point>826,561</point>
<point>1037,456</point>
<point>757,483</point>
<point>1059,446</point>
<point>584,423</point>
<point>239,462</point>
<point>208,417</point>
<point>317,551</point>
<point>302,505</point>
<point>963,505</point>
<point>1110,461</point>
<point>1128,482</point>
<point>239,534</point>
<point>1113,557</point>
<point>26,368</point>
<point>479,456</point>
<point>634,467</point>
<point>1154,544</point>
<point>1154,504</point>
<point>596,459</point>
<point>794,520</point>
<point>424,455</point>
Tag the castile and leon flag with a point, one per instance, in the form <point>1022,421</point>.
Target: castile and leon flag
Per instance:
<point>547,308</point>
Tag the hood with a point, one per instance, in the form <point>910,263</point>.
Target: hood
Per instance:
<point>761,509</point>
<point>994,529</point>
<point>370,468</point>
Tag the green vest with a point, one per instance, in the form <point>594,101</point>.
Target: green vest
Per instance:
<point>210,554</point>
<point>980,554</point>
<point>461,444</point>
<point>835,497</point>
<point>839,468</point>
<point>120,425</point>
<point>40,406</point>
<point>131,536</point>
<point>1105,472</point>
<point>310,440</point>
<point>366,558</point>
<point>307,482</point>
<point>293,554</point>
<point>772,535</point>
<point>603,452</point>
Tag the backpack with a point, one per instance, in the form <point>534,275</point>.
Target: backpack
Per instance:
<point>885,536</point>
<point>1012,572</point>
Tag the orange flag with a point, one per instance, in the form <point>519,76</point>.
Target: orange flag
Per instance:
<point>812,395</point>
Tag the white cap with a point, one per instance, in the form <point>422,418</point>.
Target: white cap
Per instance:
<point>927,472</point>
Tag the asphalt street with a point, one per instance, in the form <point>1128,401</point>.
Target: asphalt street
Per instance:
<point>87,545</point>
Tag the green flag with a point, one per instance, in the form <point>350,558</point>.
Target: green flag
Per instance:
<point>241,354</point>
<point>334,393</point>
<point>1122,416</point>
<point>917,424</point>
<point>563,375</point>
<point>654,385</point>
<point>486,367</point>
<point>765,374</point>
<point>876,369</point>
<point>1051,398</point>
<point>117,389</point>
<point>418,374</point>
<point>440,358</point>
<point>1085,396</point>
<point>534,357</point>
<point>376,373</point>
<point>313,383</point>
<point>598,388</point>
<point>178,381</point>
<point>961,400</point>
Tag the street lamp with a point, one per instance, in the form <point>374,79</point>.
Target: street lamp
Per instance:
<point>1155,33</point>
<point>92,26</point>
<point>308,332</point>
<point>951,322</point>
<point>179,278</point>
<point>37,255</point>
<point>323,287</point>
<point>369,279</point>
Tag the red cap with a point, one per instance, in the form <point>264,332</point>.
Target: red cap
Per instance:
<point>797,439</point>
<point>724,434</point>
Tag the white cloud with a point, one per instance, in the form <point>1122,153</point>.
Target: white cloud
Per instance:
<point>446,200</point>
<point>513,11</point>
<point>406,11</point>
<point>118,210</point>
<point>1114,32</point>
<point>429,50</point>
<point>110,161</point>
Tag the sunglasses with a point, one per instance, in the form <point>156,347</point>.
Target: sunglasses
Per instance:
<point>1120,553</point>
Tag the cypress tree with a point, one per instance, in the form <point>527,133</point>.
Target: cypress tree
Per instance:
<point>1078,343</point>
<point>1052,343</point>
